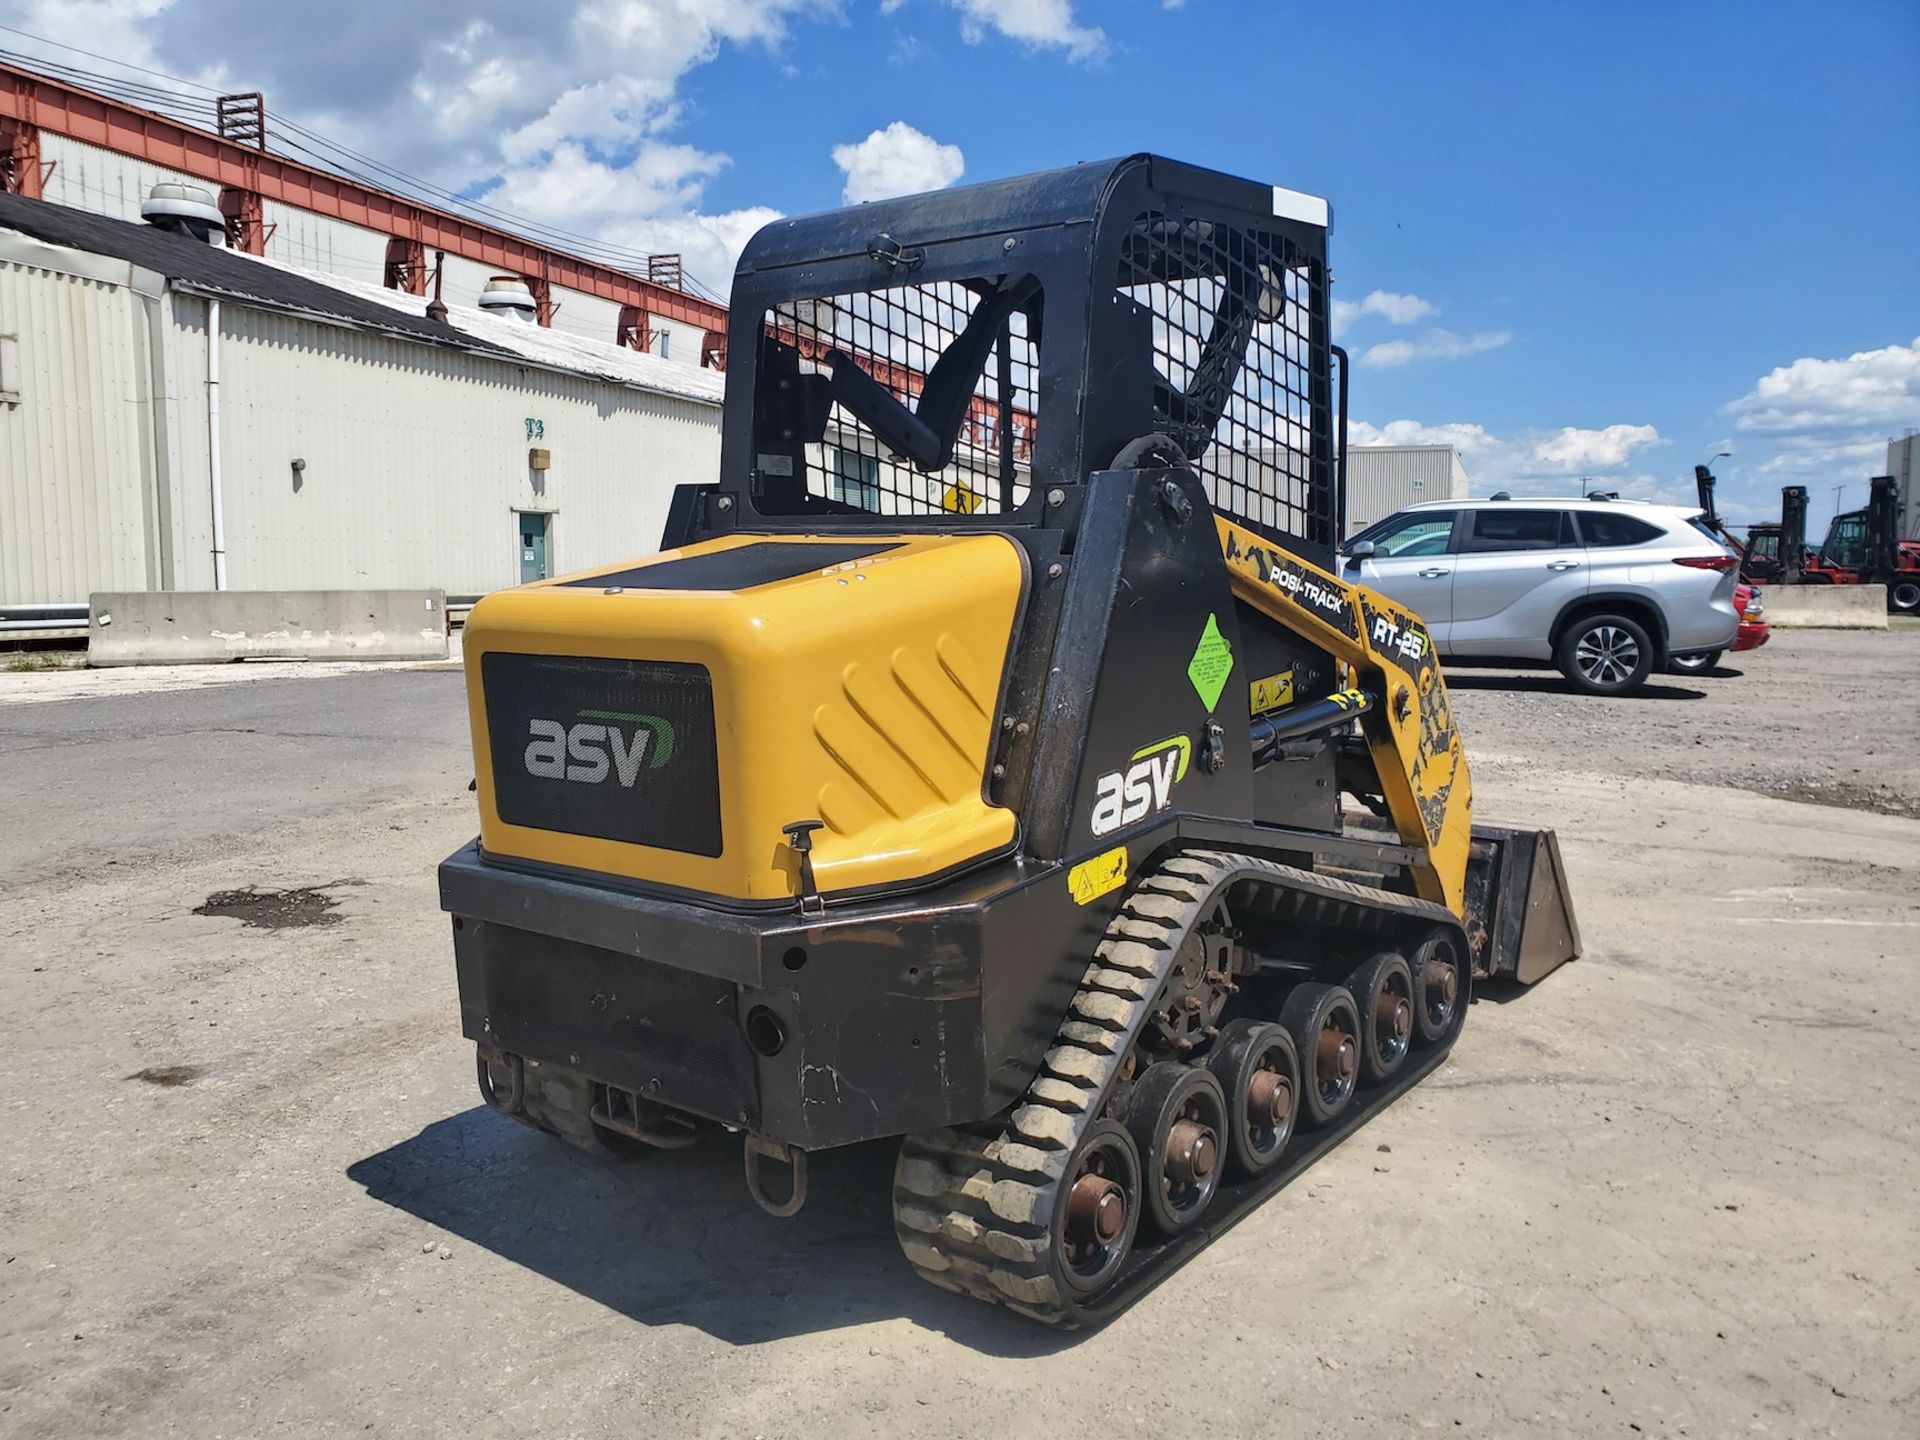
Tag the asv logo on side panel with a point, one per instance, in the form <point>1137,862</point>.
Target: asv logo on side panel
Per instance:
<point>589,752</point>
<point>1145,787</point>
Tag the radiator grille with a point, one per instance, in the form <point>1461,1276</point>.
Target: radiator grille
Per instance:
<point>616,749</point>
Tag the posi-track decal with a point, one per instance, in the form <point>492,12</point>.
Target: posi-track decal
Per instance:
<point>1305,587</point>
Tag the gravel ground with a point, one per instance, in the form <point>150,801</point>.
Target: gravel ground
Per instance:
<point>246,1186</point>
<point>1831,717</point>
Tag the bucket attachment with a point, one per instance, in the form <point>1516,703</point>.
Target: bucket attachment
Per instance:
<point>1519,914</point>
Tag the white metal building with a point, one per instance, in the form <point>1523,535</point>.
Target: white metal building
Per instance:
<point>1901,455</point>
<point>1384,478</point>
<point>106,182</point>
<point>352,441</point>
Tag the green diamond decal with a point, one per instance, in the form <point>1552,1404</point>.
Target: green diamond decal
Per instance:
<point>1211,664</point>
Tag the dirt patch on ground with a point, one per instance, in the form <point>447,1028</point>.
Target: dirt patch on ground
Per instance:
<point>169,1075</point>
<point>276,909</point>
<point>1878,799</point>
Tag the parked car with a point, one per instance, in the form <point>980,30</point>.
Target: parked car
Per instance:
<point>1753,633</point>
<point>1608,590</point>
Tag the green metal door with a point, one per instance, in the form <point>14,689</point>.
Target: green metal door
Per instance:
<point>533,546</point>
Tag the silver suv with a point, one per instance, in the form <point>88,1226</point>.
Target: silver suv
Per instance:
<point>1606,589</point>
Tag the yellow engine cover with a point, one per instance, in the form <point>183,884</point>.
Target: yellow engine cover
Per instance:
<point>851,683</point>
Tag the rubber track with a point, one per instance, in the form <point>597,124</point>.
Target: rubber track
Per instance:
<point>974,1211</point>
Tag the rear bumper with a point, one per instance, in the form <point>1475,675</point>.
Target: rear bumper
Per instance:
<point>885,1014</point>
<point>1751,637</point>
<point>1713,627</point>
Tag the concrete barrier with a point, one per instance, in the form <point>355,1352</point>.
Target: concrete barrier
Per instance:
<point>1826,607</point>
<point>186,627</point>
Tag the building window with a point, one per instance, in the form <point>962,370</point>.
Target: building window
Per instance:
<point>854,479</point>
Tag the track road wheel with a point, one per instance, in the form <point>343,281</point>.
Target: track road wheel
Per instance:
<point>1260,1075</point>
<point>1325,1026</point>
<point>1382,990</point>
<point>1098,1211</point>
<point>1177,1115</point>
<point>1605,654</point>
<point>1439,983</point>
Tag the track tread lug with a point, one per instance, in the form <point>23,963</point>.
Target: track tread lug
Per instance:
<point>1062,1094</point>
<point>974,1214</point>
<point>1103,1009</point>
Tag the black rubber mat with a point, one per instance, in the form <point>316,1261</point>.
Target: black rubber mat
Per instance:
<point>741,568</point>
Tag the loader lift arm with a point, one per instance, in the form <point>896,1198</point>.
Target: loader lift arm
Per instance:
<point>1408,722</point>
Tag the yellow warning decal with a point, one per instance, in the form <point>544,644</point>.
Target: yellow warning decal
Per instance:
<point>1091,879</point>
<point>1271,692</point>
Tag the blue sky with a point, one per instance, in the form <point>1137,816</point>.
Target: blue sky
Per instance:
<point>1609,239</point>
<point>1658,204</point>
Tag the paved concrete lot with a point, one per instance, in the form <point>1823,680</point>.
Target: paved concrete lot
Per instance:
<point>246,1186</point>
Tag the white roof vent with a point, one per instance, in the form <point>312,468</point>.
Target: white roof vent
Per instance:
<point>508,295</point>
<point>174,205</point>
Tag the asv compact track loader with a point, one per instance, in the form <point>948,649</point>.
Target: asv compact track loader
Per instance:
<point>969,766</point>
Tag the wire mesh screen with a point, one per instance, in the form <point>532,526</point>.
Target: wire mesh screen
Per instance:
<point>979,462</point>
<point>1235,362</point>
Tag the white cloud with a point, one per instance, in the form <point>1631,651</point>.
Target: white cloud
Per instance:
<point>1467,439</point>
<point>1872,388</point>
<point>1433,345</point>
<point>572,108</point>
<point>1574,449</point>
<point>570,113</point>
<point>1397,309</point>
<point>1799,456</point>
<point>898,160</point>
<point>1544,460</point>
<point>648,204</point>
<point>1043,24</point>
<point>1827,421</point>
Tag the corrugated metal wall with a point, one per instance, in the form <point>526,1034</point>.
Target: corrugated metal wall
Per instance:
<point>417,460</point>
<point>74,456</point>
<point>319,242</point>
<point>578,313</point>
<point>105,182</point>
<point>1385,478</point>
<point>1901,457</point>
<point>101,182</point>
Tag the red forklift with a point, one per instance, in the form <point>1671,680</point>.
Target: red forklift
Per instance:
<point>1776,553</point>
<point>1765,556</point>
<point>1863,547</point>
